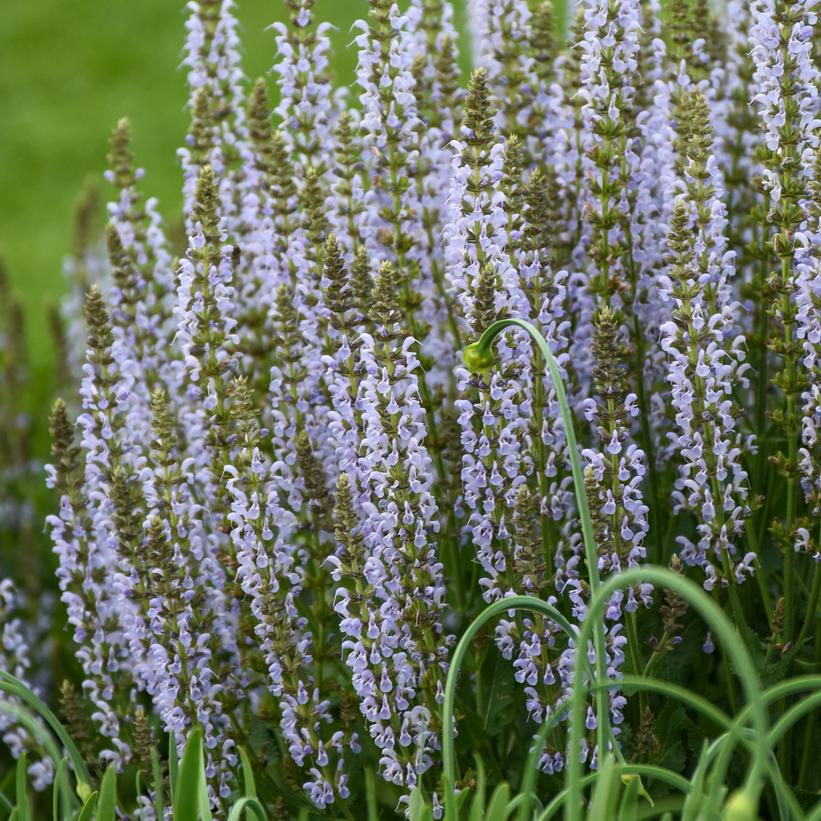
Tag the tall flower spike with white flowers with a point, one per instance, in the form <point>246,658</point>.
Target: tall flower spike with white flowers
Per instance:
<point>146,312</point>
<point>272,572</point>
<point>397,649</point>
<point>305,102</point>
<point>83,563</point>
<point>486,285</point>
<point>786,96</point>
<point>653,192</point>
<point>808,333</point>
<point>206,335</point>
<point>215,78</point>
<point>608,80</point>
<point>14,659</point>
<point>508,62</point>
<point>706,363</point>
<point>391,125</point>
<point>436,72</point>
<point>178,671</point>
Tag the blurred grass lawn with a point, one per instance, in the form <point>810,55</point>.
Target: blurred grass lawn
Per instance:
<point>68,72</point>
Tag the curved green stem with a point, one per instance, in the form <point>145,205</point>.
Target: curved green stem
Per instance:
<point>724,631</point>
<point>490,612</point>
<point>479,357</point>
<point>648,770</point>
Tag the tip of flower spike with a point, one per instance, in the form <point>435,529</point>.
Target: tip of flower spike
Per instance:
<point>476,358</point>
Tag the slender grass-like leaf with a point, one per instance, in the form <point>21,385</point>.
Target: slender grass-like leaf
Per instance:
<point>21,794</point>
<point>499,808</point>
<point>191,792</point>
<point>159,786</point>
<point>173,764</point>
<point>605,791</point>
<point>246,806</point>
<point>107,802</point>
<point>247,774</point>
<point>477,805</point>
<point>15,687</point>
<point>418,807</point>
<point>87,811</point>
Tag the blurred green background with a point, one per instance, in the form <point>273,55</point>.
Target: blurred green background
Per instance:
<point>69,69</point>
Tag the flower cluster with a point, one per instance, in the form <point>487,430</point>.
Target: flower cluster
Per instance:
<point>283,495</point>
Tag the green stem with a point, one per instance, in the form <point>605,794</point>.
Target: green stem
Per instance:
<point>462,648</point>
<point>725,633</point>
<point>479,357</point>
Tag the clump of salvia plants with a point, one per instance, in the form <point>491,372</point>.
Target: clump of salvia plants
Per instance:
<point>286,493</point>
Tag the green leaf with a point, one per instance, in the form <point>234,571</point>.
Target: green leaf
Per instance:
<point>419,810</point>
<point>629,807</point>
<point>173,763</point>
<point>498,690</point>
<point>21,795</point>
<point>246,805</point>
<point>159,787</point>
<point>107,802</point>
<point>191,786</point>
<point>606,791</point>
<point>477,807</point>
<point>691,811</point>
<point>64,797</point>
<point>16,687</point>
<point>88,808</point>
<point>247,774</point>
<point>499,809</point>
